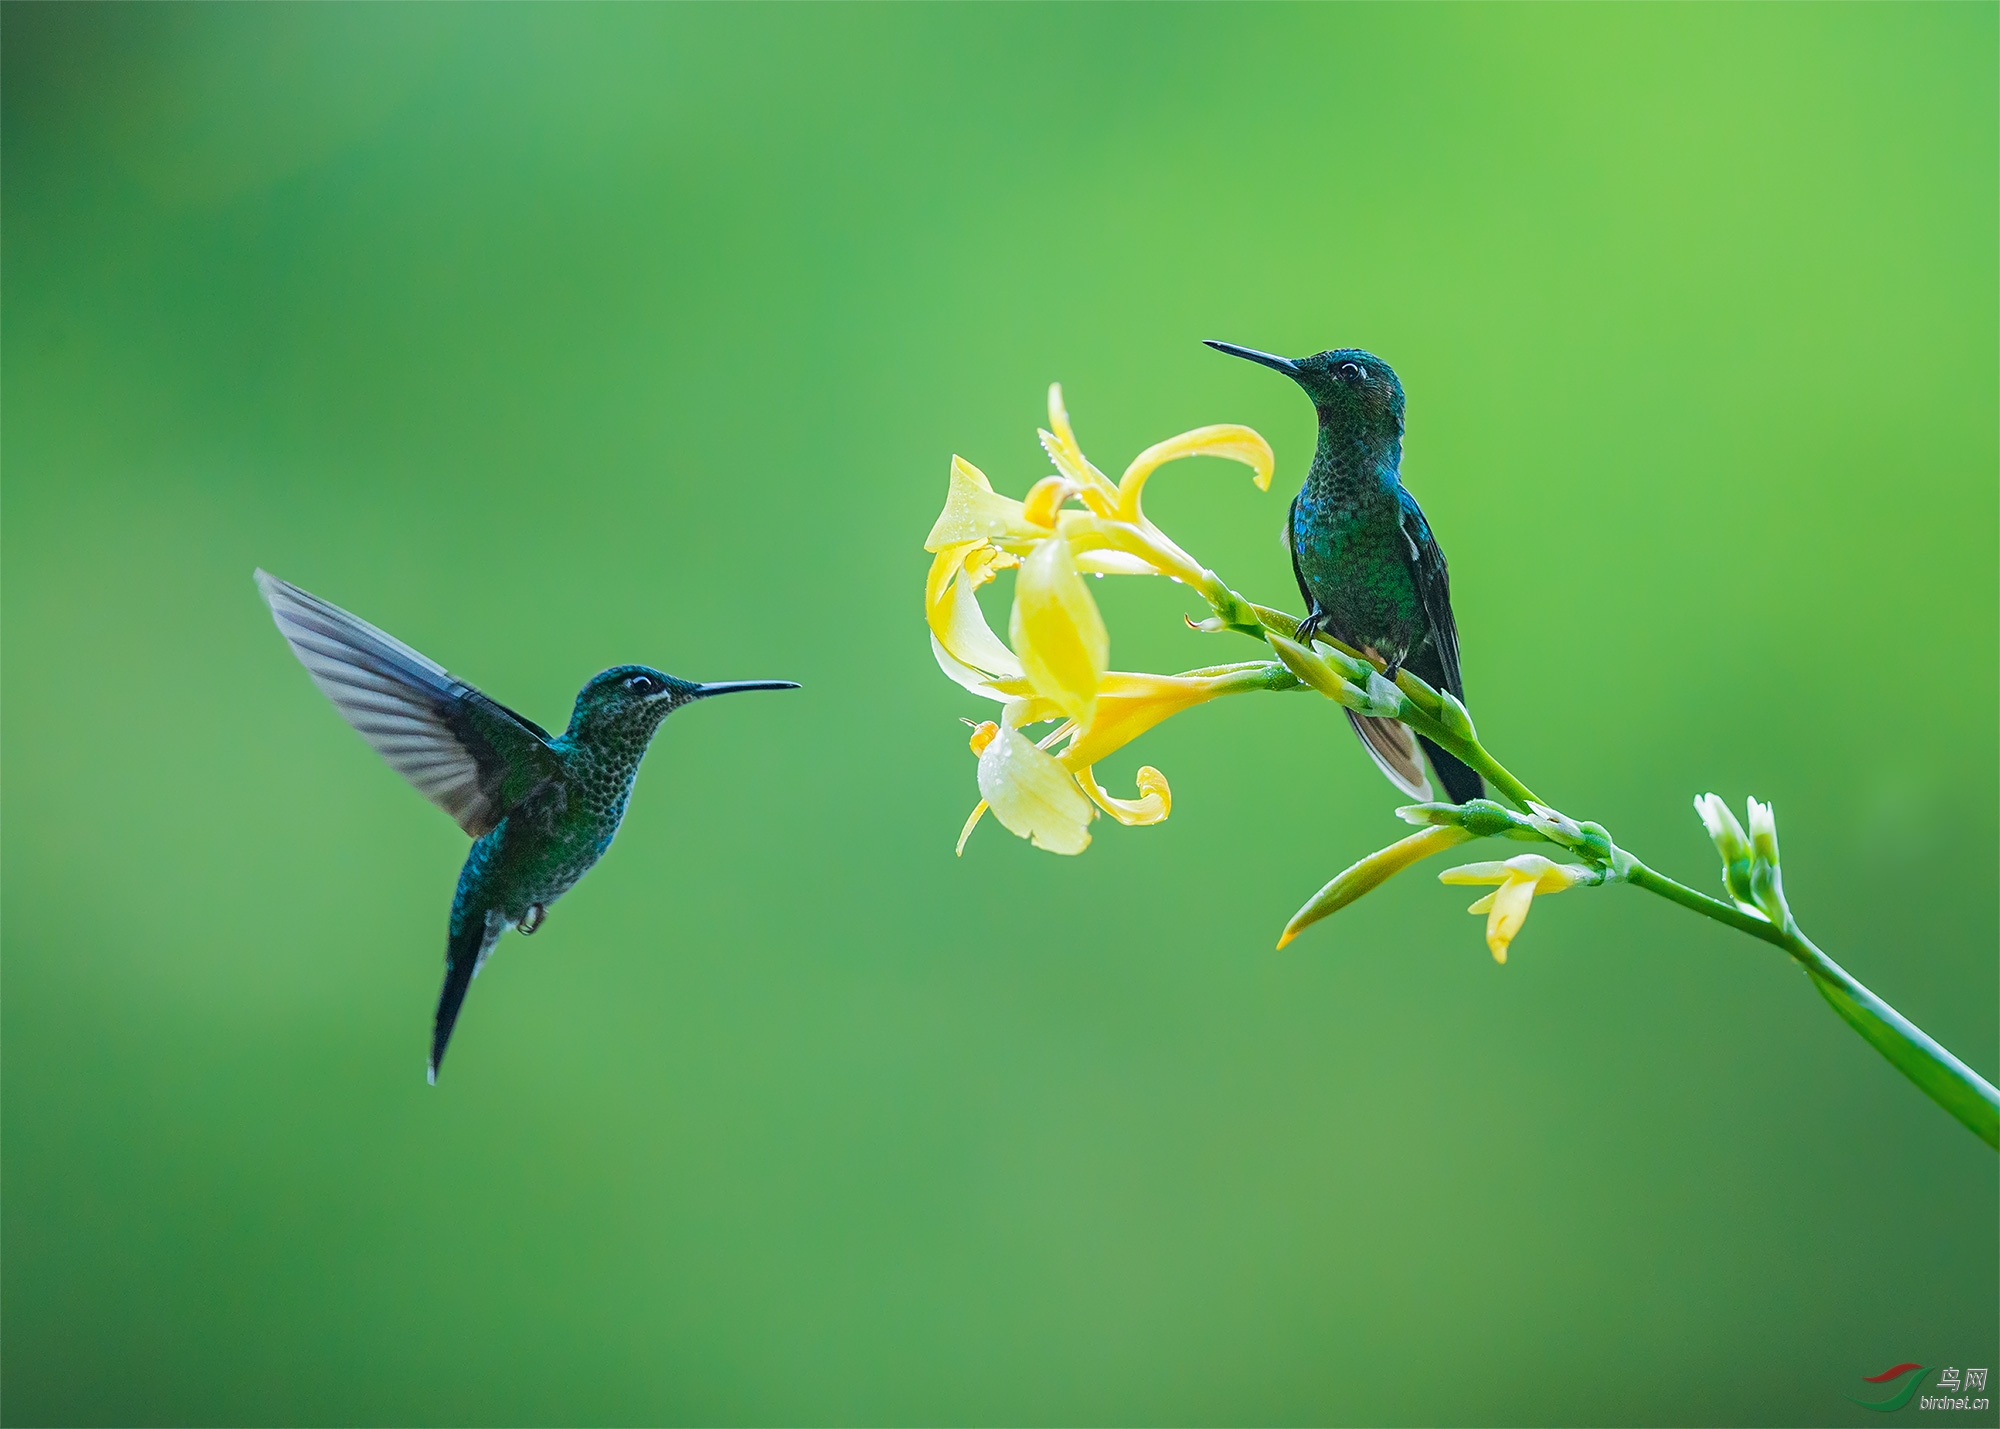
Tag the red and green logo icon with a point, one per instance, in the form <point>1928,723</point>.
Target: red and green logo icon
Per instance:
<point>1917,1375</point>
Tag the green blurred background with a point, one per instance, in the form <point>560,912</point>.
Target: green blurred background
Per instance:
<point>555,338</point>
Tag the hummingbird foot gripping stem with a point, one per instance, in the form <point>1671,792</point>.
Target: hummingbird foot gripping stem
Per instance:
<point>532,919</point>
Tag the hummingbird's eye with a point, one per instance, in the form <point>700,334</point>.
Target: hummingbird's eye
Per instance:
<point>1354,369</point>
<point>640,684</point>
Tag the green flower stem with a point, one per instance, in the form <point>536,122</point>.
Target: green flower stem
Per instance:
<point>1942,1077</point>
<point>1470,750</point>
<point>1423,700</point>
<point>1939,1075</point>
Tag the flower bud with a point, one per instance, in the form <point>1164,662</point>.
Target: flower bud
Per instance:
<point>1734,846</point>
<point>1310,667</point>
<point>1371,873</point>
<point>1452,715</point>
<point>1728,836</point>
<point>1557,827</point>
<point>1482,818</point>
<point>1384,700</point>
<point>1352,669</point>
<point>1764,832</point>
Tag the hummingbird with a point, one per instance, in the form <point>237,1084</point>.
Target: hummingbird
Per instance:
<point>1368,567</point>
<point>541,808</point>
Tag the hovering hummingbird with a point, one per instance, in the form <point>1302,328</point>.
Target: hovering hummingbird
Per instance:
<point>1367,565</point>
<point>541,808</point>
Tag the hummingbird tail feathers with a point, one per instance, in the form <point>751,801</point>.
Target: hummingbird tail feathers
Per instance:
<point>1393,747</point>
<point>464,955</point>
<point>1461,781</point>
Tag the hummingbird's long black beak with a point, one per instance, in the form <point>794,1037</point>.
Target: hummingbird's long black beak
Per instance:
<point>730,687</point>
<point>1283,364</point>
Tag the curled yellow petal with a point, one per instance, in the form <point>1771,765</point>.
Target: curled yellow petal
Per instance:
<point>1045,499</point>
<point>1507,910</point>
<point>974,511</point>
<point>958,626</point>
<point>1236,443</point>
<point>1032,795</point>
<point>1371,873</point>
<point>1154,803</point>
<point>1058,632</point>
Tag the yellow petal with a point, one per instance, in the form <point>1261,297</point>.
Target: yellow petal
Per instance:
<point>1371,873</point>
<point>973,511</point>
<point>1547,875</point>
<point>1227,440</point>
<point>1032,795</point>
<point>951,606</point>
<point>975,681</point>
<point>1058,632</point>
<point>1154,803</point>
<point>1508,910</point>
<point>1105,561</point>
<point>1061,445</point>
<point>1045,499</point>
<point>1476,873</point>
<point>1560,877</point>
<point>970,824</point>
<point>1130,704</point>
<point>1059,428</point>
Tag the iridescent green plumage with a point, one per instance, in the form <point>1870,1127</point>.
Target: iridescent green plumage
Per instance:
<point>541,809</point>
<point>1368,567</point>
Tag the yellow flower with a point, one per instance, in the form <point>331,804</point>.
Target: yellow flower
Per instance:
<point>1371,873</point>
<point>1111,534</point>
<point>1128,704</point>
<point>1058,664</point>
<point>1520,879</point>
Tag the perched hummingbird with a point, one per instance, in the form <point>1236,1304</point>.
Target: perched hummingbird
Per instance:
<point>1369,569</point>
<point>541,809</point>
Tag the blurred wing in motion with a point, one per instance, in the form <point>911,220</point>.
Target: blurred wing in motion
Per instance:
<point>470,755</point>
